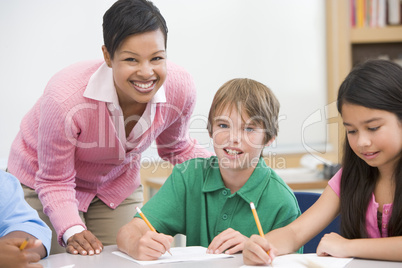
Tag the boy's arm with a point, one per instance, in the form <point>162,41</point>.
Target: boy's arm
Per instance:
<point>138,241</point>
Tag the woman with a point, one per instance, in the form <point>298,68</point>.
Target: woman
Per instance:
<point>79,147</point>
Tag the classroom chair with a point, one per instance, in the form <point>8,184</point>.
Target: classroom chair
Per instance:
<point>305,200</point>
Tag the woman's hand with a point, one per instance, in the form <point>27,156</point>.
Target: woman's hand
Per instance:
<point>84,243</point>
<point>229,241</point>
<point>255,251</point>
<point>333,245</point>
<point>11,255</point>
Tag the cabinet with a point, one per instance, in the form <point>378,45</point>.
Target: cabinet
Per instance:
<point>347,46</point>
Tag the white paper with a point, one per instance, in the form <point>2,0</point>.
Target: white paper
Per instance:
<point>179,254</point>
<point>307,260</point>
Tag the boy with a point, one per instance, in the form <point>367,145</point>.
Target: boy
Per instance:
<point>208,199</point>
<point>18,221</point>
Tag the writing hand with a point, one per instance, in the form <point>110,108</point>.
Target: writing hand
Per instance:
<point>255,251</point>
<point>229,241</point>
<point>84,243</point>
<point>12,256</point>
<point>150,246</point>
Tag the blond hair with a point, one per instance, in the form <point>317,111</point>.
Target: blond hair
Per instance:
<point>252,97</point>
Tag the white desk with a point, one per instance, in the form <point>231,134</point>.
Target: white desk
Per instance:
<point>106,260</point>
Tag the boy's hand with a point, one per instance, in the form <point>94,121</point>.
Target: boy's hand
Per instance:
<point>150,246</point>
<point>229,241</point>
<point>84,243</point>
<point>12,256</point>
<point>255,251</point>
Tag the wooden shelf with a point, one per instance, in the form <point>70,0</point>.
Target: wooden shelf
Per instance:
<point>389,34</point>
<point>347,46</point>
<point>317,185</point>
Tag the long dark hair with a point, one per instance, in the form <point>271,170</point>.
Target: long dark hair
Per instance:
<point>375,84</point>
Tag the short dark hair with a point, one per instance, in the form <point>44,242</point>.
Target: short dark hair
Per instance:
<point>129,17</point>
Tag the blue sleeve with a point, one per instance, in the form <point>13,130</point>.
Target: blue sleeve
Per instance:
<point>17,215</point>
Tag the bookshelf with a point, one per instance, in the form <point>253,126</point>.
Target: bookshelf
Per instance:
<point>390,34</point>
<point>347,46</point>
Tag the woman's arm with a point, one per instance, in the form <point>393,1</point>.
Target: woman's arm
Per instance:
<point>175,143</point>
<point>55,179</point>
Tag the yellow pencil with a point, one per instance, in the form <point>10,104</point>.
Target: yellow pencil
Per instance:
<point>257,221</point>
<point>24,244</point>
<point>145,219</point>
<point>147,222</point>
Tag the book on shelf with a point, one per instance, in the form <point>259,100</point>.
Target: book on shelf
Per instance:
<point>394,12</point>
<point>375,13</point>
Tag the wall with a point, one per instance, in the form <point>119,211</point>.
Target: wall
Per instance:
<point>279,43</point>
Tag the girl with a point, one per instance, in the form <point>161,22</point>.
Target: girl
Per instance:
<point>367,192</point>
<point>79,148</point>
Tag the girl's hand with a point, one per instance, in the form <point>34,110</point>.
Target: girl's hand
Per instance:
<point>84,243</point>
<point>150,246</point>
<point>333,245</point>
<point>255,251</point>
<point>12,256</point>
<point>229,241</point>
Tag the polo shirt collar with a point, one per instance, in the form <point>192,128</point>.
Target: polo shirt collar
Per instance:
<point>251,190</point>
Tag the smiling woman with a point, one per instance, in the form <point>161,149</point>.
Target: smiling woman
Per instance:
<point>139,70</point>
<point>79,148</point>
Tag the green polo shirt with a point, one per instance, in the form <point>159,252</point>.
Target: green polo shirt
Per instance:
<point>194,201</point>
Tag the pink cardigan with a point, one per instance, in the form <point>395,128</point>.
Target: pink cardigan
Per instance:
<point>67,148</point>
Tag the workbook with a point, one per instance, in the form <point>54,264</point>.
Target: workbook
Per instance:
<point>179,254</point>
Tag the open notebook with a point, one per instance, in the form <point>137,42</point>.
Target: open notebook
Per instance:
<point>179,254</point>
